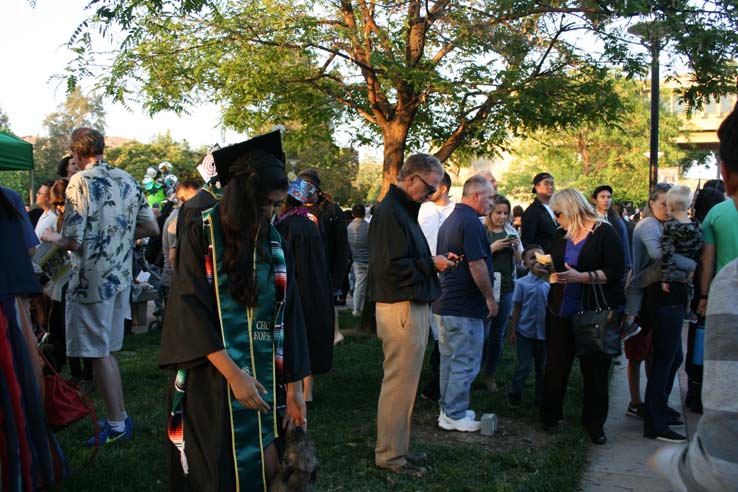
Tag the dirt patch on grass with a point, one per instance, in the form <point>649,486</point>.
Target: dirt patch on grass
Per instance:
<point>511,433</point>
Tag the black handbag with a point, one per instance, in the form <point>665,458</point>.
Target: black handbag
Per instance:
<point>593,331</point>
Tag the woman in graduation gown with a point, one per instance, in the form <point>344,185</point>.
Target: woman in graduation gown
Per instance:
<point>234,334</point>
<point>306,252</point>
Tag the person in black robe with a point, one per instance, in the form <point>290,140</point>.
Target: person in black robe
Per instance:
<point>195,342</point>
<point>307,253</point>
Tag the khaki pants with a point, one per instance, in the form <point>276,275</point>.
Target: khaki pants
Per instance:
<point>403,329</point>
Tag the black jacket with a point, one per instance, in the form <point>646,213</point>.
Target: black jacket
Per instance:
<point>537,226</point>
<point>400,263</point>
<point>602,251</point>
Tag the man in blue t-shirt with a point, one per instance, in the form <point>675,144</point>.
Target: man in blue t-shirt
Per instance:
<point>466,302</point>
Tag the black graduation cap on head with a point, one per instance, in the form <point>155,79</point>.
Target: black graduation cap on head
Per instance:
<point>262,154</point>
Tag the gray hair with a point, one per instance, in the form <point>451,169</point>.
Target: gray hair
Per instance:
<point>420,164</point>
<point>475,184</point>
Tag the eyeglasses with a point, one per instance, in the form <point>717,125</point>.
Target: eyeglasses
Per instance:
<point>557,213</point>
<point>429,190</point>
<point>662,186</point>
<point>59,203</point>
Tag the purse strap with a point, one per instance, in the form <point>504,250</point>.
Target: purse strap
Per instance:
<point>601,300</point>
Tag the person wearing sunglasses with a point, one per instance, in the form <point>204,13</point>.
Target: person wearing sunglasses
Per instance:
<point>402,283</point>
<point>585,245</point>
<point>710,460</point>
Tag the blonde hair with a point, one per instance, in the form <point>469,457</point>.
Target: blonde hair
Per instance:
<point>679,195</point>
<point>577,209</point>
<point>499,200</point>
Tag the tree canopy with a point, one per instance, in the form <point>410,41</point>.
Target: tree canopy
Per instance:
<point>451,75</point>
<point>595,154</point>
<point>135,157</point>
<point>76,111</point>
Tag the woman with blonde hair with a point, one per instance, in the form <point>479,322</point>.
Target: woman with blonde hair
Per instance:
<point>586,248</point>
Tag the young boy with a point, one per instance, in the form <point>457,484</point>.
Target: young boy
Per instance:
<point>681,241</point>
<point>528,327</point>
<point>681,235</point>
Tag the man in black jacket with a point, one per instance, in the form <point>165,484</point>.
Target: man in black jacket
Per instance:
<point>402,282</point>
<point>539,225</point>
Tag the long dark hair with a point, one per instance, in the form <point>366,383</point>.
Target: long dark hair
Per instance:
<point>242,221</point>
<point>7,210</point>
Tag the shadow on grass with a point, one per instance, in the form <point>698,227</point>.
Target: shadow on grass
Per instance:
<point>521,457</point>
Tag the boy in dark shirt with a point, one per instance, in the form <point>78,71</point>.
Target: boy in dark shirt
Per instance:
<point>681,235</point>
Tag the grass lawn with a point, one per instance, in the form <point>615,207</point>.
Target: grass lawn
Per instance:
<point>521,457</point>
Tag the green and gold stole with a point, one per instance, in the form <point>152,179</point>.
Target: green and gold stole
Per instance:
<point>254,339</point>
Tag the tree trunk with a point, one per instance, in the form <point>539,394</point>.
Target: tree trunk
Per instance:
<point>395,135</point>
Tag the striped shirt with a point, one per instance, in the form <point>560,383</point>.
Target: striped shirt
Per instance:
<point>710,462</point>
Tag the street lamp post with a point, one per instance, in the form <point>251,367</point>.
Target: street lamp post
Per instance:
<point>653,164</point>
<point>650,33</point>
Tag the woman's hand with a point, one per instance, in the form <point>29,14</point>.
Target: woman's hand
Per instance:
<point>665,287</point>
<point>296,410</point>
<point>568,276</point>
<point>246,389</point>
<point>500,244</point>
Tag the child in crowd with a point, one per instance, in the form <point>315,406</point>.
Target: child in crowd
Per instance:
<point>681,235</point>
<point>680,242</point>
<point>527,325</point>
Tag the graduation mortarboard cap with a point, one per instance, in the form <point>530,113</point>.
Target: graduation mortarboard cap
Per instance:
<point>262,154</point>
<point>301,190</point>
<point>311,176</point>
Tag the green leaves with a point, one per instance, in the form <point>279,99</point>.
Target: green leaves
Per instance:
<point>609,151</point>
<point>454,75</point>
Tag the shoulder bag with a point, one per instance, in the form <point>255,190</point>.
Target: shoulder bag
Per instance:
<point>593,333</point>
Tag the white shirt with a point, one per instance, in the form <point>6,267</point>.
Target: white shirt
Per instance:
<point>550,210</point>
<point>430,218</point>
<point>47,219</point>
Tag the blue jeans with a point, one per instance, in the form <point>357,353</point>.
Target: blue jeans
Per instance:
<point>460,342</point>
<point>497,332</point>
<point>667,357</point>
<point>529,350</point>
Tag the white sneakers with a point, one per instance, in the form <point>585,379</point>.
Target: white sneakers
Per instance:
<point>466,424</point>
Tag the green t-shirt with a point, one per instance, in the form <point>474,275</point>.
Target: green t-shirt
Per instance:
<point>720,229</point>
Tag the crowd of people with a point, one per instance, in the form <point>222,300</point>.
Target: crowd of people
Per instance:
<point>252,270</point>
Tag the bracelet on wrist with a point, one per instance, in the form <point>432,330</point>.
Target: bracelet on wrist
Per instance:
<point>703,296</point>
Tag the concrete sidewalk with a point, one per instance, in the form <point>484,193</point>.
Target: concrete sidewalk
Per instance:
<point>620,465</point>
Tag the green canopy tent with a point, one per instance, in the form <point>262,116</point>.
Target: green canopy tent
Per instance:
<point>16,155</point>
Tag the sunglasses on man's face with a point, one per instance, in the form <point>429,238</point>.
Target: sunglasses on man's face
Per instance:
<point>429,190</point>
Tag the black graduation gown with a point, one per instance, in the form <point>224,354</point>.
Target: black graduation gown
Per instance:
<point>307,254</point>
<point>188,337</point>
